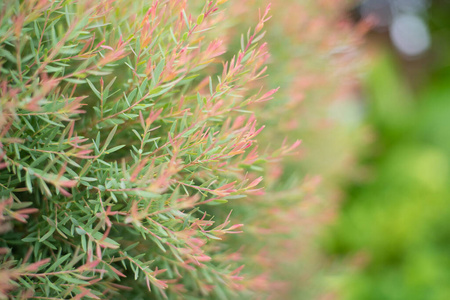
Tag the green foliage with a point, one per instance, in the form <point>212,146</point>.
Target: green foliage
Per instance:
<point>119,134</point>
<point>393,233</point>
<point>315,68</point>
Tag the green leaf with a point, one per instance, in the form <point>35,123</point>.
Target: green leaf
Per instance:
<point>185,19</point>
<point>47,235</point>
<point>114,149</point>
<point>109,138</point>
<point>96,92</point>
<point>80,231</point>
<point>217,202</point>
<point>28,182</point>
<point>157,72</point>
<point>200,19</point>
<point>73,280</point>
<point>58,262</point>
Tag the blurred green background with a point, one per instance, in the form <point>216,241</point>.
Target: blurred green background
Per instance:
<point>391,239</point>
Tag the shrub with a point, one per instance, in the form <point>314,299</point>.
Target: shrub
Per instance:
<point>315,59</point>
<point>120,132</point>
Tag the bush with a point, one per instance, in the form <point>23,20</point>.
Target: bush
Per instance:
<point>119,135</point>
<point>315,60</point>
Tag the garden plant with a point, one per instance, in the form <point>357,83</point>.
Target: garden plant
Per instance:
<point>121,129</point>
<point>135,135</point>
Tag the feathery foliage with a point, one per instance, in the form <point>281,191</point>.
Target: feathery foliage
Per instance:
<point>121,129</point>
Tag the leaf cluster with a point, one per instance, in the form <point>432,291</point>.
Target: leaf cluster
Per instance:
<point>121,129</point>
